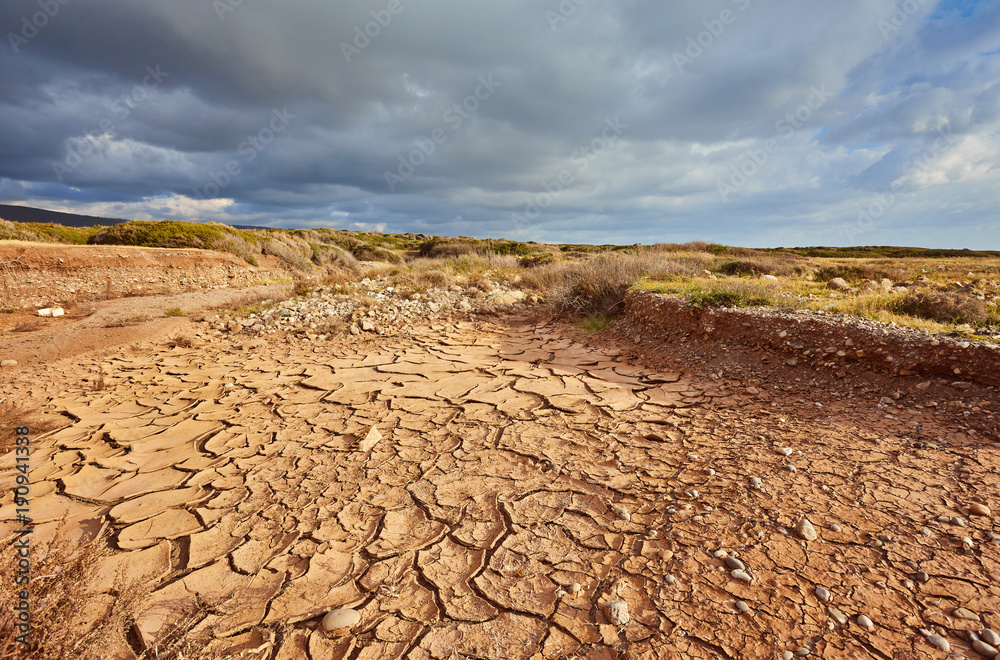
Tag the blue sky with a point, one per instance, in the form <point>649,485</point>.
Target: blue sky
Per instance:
<point>748,122</point>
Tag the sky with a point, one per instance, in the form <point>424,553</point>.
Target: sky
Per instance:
<point>760,123</point>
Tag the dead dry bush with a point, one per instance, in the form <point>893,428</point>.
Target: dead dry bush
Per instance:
<point>857,273</point>
<point>14,414</point>
<point>760,265</point>
<point>439,249</point>
<point>179,342</point>
<point>943,307</point>
<point>29,326</point>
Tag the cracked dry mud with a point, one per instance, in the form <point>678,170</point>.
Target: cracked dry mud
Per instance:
<point>514,462</point>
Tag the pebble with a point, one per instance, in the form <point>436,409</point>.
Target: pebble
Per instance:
<point>839,616</point>
<point>734,564</point>
<point>925,531</point>
<point>835,527</point>
<point>8,363</point>
<point>785,451</point>
<point>806,530</point>
<point>787,655</point>
<point>618,613</point>
<point>803,652</point>
<point>990,637</point>
<point>741,575</point>
<point>670,579</point>
<point>865,622</point>
<point>621,512</point>
<point>755,481</point>
<point>742,607</point>
<point>922,577</point>
<point>342,619</point>
<point>982,648</point>
<point>968,615</point>
<point>710,472</point>
<point>823,594</point>
<point>720,554</point>
<point>935,640</point>
<point>958,521</point>
<point>978,509</point>
<point>652,533</point>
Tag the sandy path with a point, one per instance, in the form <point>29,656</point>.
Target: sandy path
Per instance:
<point>514,463</point>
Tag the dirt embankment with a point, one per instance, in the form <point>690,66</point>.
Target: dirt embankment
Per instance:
<point>41,275</point>
<point>836,344</point>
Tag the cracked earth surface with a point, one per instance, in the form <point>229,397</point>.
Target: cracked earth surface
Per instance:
<point>515,463</point>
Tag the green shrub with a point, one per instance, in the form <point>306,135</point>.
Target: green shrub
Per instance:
<point>175,311</point>
<point>597,323</point>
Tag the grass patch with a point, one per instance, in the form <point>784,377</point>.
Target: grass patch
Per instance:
<point>175,311</point>
<point>597,323</point>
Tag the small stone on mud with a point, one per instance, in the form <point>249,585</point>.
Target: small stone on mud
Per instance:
<point>936,640</point>
<point>720,554</point>
<point>755,481</point>
<point>787,655</point>
<point>803,652</point>
<point>741,575</point>
<point>575,588</point>
<point>806,530</point>
<point>822,594</point>
<point>982,648</point>
<point>372,437</point>
<point>978,509</point>
<point>922,576</point>
<point>785,451</point>
<point>835,527</point>
<point>968,615</point>
<point>958,521</point>
<point>865,622</point>
<point>989,637</point>
<point>735,564</point>
<point>838,616</point>
<point>742,607</point>
<point>621,513</point>
<point>341,620</point>
<point>618,612</point>
<point>8,363</point>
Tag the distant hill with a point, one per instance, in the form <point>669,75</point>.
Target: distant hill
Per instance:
<point>29,214</point>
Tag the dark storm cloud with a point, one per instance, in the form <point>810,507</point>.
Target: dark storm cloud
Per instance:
<point>748,121</point>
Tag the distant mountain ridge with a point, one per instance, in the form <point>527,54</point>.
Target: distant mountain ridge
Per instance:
<point>30,214</point>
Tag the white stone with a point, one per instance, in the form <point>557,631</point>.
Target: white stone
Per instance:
<point>342,619</point>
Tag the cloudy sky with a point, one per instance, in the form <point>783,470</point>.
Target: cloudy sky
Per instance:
<point>748,122</point>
